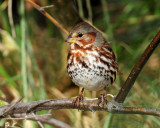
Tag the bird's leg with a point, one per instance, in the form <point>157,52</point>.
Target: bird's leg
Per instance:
<point>102,98</point>
<point>79,98</point>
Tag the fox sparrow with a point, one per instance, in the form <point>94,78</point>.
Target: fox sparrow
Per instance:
<point>91,61</point>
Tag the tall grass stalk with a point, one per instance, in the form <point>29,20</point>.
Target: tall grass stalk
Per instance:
<point>109,30</point>
<point>81,13</point>
<point>88,3</point>
<point>23,51</point>
<point>108,119</point>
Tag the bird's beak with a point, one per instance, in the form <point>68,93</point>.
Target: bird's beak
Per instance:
<point>70,40</point>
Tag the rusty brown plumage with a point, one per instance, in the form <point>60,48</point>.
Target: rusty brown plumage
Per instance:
<point>91,61</point>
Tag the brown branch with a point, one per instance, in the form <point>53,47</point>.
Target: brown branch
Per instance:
<point>138,110</point>
<point>41,10</point>
<point>11,107</point>
<point>136,69</point>
<point>91,105</point>
<point>42,119</point>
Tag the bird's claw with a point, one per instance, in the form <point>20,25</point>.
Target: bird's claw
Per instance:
<point>102,99</point>
<point>78,100</point>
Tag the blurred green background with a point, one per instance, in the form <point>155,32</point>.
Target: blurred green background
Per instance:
<point>33,59</point>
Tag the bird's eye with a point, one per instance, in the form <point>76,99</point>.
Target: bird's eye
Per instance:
<point>80,34</point>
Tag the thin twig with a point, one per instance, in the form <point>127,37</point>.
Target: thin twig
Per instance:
<point>138,110</point>
<point>35,117</point>
<point>137,68</point>
<point>44,119</point>
<point>41,9</point>
<point>10,108</point>
<point>23,116</point>
<point>89,105</point>
<point>46,7</point>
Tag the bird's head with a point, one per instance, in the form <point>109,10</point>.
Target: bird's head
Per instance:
<point>85,35</point>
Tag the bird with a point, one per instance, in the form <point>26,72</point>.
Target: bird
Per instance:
<point>91,62</point>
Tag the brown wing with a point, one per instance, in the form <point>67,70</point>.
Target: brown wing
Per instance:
<point>107,56</point>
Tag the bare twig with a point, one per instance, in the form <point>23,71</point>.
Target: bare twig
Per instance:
<point>41,9</point>
<point>136,69</point>
<point>43,119</point>
<point>91,105</point>
<point>10,108</point>
<point>49,6</point>
<point>138,110</point>
<point>35,117</point>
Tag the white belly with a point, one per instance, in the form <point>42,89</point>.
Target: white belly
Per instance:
<point>90,77</point>
<point>90,81</point>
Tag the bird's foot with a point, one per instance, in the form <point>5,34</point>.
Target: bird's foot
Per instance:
<point>79,99</point>
<point>102,100</point>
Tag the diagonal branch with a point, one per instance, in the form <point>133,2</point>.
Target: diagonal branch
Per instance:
<point>137,69</point>
<point>89,104</point>
<point>41,10</point>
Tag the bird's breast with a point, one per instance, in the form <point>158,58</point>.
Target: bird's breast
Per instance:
<point>86,69</point>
